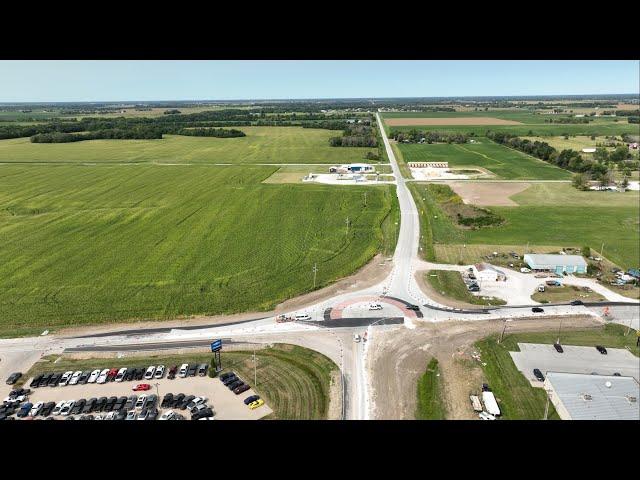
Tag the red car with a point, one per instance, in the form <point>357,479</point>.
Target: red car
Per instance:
<point>141,387</point>
<point>112,374</point>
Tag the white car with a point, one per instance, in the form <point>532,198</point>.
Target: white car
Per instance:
<point>111,416</point>
<point>486,416</point>
<point>131,415</point>
<point>168,415</point>
<point>35,410</point>
<point>525,270</point>
<point>121,374</point>
<point>184,368</point>
<point>148,375</point>
<point>206,418</point>
<point>303,316</point>
<point>198,408</point>
<point>159,372</point>
<point>15,400</point>
<point>142,399</point>
<point>375,306</point>
<point>75,377</point>
<point>99,417</point>
<point>58,407</point>
<point>64,380</point>
<point>103,376</point>
<point>356,337</point>
<point>94,376</point>
<point>66,408</point>
<point>195,402</point>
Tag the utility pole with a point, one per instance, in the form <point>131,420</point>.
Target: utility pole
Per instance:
<point>255,368</point>
<point>503,329</point>
<point>315,272</point>
<point>347,222</point>
<point>559,328</point>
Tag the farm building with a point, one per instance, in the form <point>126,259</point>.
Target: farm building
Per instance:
<point>486,272</point>
<point>588,150</point>
<point>353,168</point>
<point>428,164</point>
<point>593,397</point>
<point>556,263</point>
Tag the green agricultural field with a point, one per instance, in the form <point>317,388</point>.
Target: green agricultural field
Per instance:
<point>504,162</point>
<point>261,145</point>
<point>541,130</point>
<point>564,194</point>
<point>569,219</point>
<point>106,243</point>
<point>429,392</point>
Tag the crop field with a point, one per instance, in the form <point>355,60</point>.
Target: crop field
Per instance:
<point>577,221</point>
<point>105,243</point>
<point>504,162</point>
<point>261,145</point>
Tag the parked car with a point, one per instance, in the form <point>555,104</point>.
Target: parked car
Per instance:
<point>356,337</point>
<point>66,408</point>
<point>577,302</point>
<point>177,400</point>
<point>195,402</point>
<point>45,380</point>
<point>168,415</point>
<point>77,408</point>
<point>103,376</point>
<point>375,306</point>
<point>159,373</point>
<point>251,398</point>
<point>142,387</point>
<point>131,415</point>
<point>130,404</point>
<point>151,401</point>
<point>241,389</point>
<point>601,349</point>
<point>84,377</point>
<point>153,414</point>
<point>558,347</point>
<point>35,383</point>
<point>204,413</point>
<point>36,409</point>
<point>93,377</point>
<point>226,375</point>
<point>616,374</point>
<point>121,374</point>
<point>54,379</point>
<point>24,410</point>
<point>172,372</point>
<point>129,374</point>
<point>47,409</point>
<point>120,415</point>
<point>148,375</point>
<point>13,378</point>
<point>99,406</point>
<point>111,401</point>
<point>141,401</point>
<point>90,405</point>
<point>256,404</point>
<point>167,400</point>
<point>415,308</point>
<point>64,380</point>
<point>538,374</point>
<point>185,401</point>
<point>184,370</point>
<point>235,385</point>
<point>229,380</point>
<point>144,413</point>
<point>120,403</point>
<point>74,378</point>
<point>202,369</point>
<point>111,376</point>
<point>193,368</point>
<point>537,310</point>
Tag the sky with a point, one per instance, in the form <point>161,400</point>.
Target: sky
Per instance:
<point>115,80</point>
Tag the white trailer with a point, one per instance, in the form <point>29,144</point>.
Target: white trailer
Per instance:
<point>475,403</point>
<point>490,403</point>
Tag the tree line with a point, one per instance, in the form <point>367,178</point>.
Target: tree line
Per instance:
<point>416,136</point>
<point>134,133</point>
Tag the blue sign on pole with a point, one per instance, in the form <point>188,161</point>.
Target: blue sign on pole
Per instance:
<point>216,345</point>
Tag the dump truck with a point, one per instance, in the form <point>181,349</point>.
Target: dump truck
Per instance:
<point>490,403</point>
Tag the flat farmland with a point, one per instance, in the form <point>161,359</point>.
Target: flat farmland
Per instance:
<point>106,243</point>
<point>261,145</point>
<point>504,162</point>
<point>449,121</point>
<point>546,215</point>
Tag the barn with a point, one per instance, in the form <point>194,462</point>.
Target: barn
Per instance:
<point>556,263</point>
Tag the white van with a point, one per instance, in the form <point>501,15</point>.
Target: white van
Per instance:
<point>303,316</point>
<point>375,306</point>
<point>184,368</point>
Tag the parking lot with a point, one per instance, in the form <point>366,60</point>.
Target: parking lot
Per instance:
<point>224,403</point>
<point>574,359</point>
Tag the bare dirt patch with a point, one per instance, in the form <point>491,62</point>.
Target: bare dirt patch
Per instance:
<point>398,122</point>
<point>488,194</point>
<point>399,356</point>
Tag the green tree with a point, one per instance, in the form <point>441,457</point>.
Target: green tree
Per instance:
<point>581,181</point>
<point>586,251</point>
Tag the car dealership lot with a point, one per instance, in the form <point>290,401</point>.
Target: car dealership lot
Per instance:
<point>575,359</point>
<point>226,404</point>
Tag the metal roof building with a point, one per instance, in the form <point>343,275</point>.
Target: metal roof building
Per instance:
<point>557,263</point>
<point>593,397</point>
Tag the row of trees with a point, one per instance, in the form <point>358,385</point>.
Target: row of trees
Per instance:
<point>133,133</point>
<point>18,131</point>
<point>354,141</point>
<point>570,120</point>
<point>416,136</point>
<point>212,132</point>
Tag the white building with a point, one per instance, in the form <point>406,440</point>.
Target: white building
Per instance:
<point>488,273</point>
<point>556,263</point>
<point>593,397</point>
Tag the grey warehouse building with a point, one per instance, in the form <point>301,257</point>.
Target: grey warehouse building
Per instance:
<point>556,263</point>
<point>593,397</point>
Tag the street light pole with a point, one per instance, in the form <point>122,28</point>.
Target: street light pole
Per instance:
<point>503,329</point>
<point>255,368</point>
<point>158,391</point>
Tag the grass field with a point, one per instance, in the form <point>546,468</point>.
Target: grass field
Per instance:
<point>97,244</point>
<point>449,283</point>
<point>261,145</point>
<point>294,381</point>
<point>592,223</point>
<point>429,392</point>
<point>566,293</point>
<point>502,161</point>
